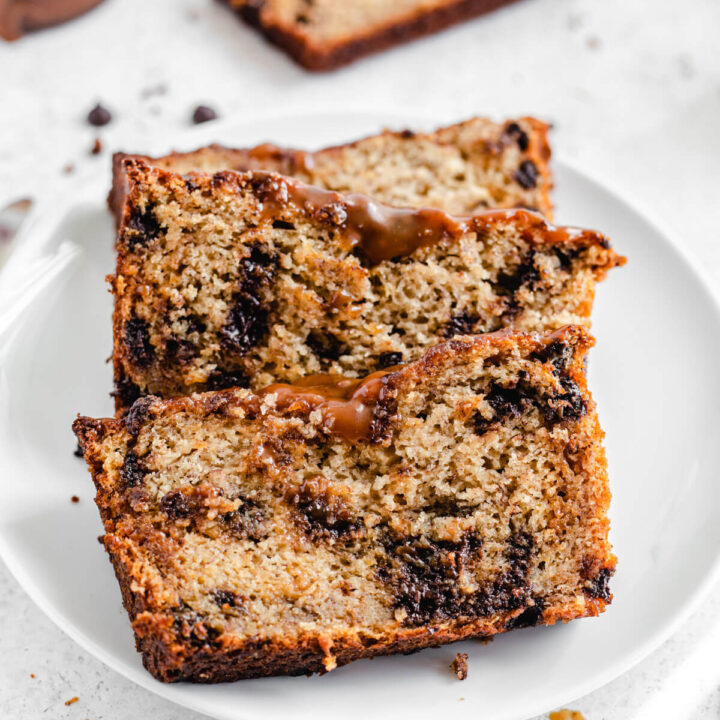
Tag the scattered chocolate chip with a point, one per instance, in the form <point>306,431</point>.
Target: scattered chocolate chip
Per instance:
<point>568,405</point>
<point>325,345</point>
<point>142,226</point>
<point>516,133</point>
<point>526,175</point>
<point>599,586</point>
<point>282,225</point>
<point>506,403</point>
<point>97,147</point>
<point>75,499</point>
<point>227,597</point>
<point>388,359</point>
<point>138,413</point>
<point>248,521</point>
<point>99,116</point>
<point>175,505</point>
<point>222,379</point>
<point>525,274</point>
<point>132,471</point>
<point>322,510</point>
<point>203,113</point>
<point>407,134</point>
<point>461,324</point>
<point>126,392</point>
<point>530,617</point>
<point>137,342</point>
<point>180,351</point>
<point>248,320</point>
<point>459,666</point>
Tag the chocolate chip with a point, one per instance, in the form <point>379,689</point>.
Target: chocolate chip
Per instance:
<point>524,275</point>
<point>180,351</point>
<point>176,505</point>
<point>388,359</point>
<point>599,586</point>
<point>142,226</point>
<point>132,471</point>
<point>203,113</point>
<point>461,324</point>
<point>526,175</point>
<point>558,353</point>
<point>516,133</point>
<point>248,320</point>
<point>530,617</point>
<point>282,225</point>
<point>138,414</point>
<point>222,379</point>
<point>227,597</point>
<point>248,521</point>
<point>126,392</point>
<point>325,345</point>
<point>99,116</point>
<point>506,403</point>
<point>137,342</point>
<point>322,510</point>
<point>568,405</point>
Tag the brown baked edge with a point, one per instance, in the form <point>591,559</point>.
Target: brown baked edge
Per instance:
<point>332,57</point>
<point>170,660</point>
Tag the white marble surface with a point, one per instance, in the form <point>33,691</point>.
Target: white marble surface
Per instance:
<point>633,90</point>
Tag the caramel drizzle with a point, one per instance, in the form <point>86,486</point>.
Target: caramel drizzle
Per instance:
<point>347,404</point>
<point>383,232</point>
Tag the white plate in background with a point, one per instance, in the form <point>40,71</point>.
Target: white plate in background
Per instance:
<point>653,374</point>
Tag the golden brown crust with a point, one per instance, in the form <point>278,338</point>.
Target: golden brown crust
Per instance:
<point>319,55</point>
<point>153,522</point>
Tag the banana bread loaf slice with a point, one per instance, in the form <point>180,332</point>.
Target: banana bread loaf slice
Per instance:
<point>324,34</point>
<point>462,168</point>
<point>301,527</point>
<point>244,279</point>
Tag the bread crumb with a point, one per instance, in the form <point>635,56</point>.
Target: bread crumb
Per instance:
<point>72,700</point>
<point>75,499</point>
<point>32,675</point>
<point>566,715</point>
<point>460,666</point>
<point>97,147</point>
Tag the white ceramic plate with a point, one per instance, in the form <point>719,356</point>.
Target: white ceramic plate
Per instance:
<point>653,373</point>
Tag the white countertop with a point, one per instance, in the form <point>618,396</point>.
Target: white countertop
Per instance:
<point>632,88</point>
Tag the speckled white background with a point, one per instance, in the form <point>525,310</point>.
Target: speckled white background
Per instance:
<point>633,90</point>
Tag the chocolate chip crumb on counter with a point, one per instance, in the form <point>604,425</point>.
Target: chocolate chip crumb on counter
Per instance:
<point>203,113</point>
<point>309,281</point>
<point>99,116</point>
<point>459,666</point>
<point>246,543</point>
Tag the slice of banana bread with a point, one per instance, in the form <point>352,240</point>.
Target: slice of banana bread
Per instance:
<point>324,34</point>
<point>462,168</point>
<point>302,527</point>
<point>244,279</point>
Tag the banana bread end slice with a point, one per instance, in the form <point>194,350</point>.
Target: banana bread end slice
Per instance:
<point>297,528</point>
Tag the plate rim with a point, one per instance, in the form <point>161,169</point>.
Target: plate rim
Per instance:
<point>42,216</point>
